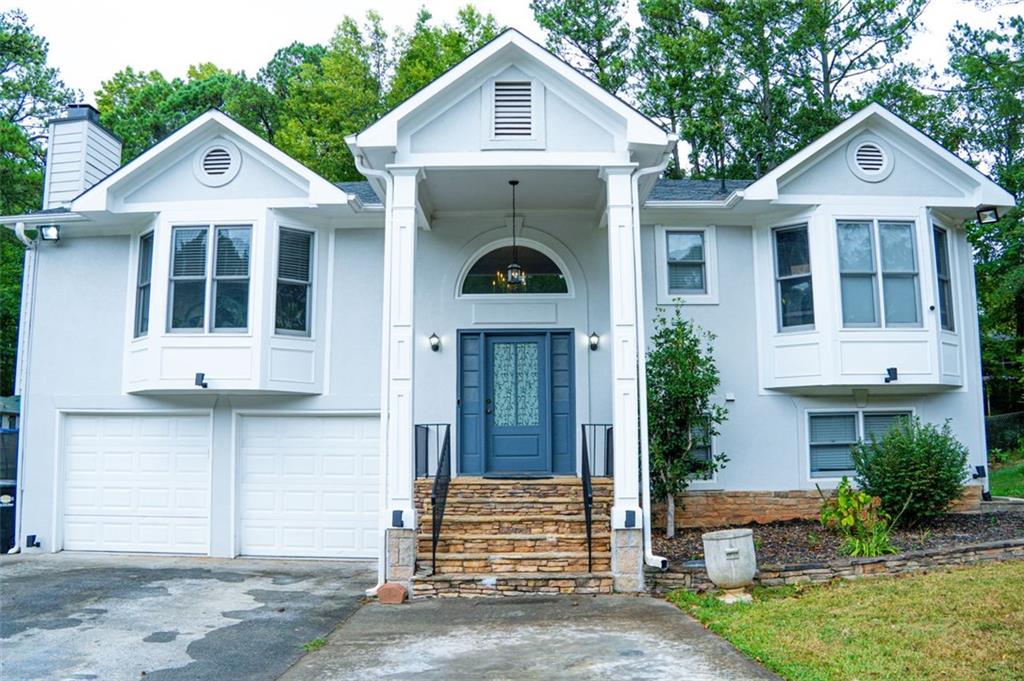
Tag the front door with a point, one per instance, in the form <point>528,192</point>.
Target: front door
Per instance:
<point>516,413</point>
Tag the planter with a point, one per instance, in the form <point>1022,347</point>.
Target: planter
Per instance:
<point>729,558</point>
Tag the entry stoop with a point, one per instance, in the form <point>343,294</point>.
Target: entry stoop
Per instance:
<point>508,537</point>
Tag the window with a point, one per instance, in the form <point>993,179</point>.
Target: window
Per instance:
<point>702,450</point>
<point>944,278</point>
<point>793,287</point>
<point>294,280</point>
<point>831,436</point>
<point>487,275</point>
<point>860,260</point>
<point>143,285</point>
<point>190,273</point>
<point>687,271</point>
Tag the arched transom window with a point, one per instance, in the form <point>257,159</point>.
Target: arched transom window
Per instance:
<point>487,275</point>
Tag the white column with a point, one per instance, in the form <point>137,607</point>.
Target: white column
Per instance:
<point>623,281</point>
<point>397,352</point>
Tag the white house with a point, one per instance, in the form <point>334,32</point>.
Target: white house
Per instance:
<point>222,353</point>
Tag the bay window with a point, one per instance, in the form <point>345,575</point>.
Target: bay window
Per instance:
<point>794,291</point>
<point>945,281</point>
<point>294,281</point>
<point>870,247</point>
<point>143,285</point>
<point>197,284</point>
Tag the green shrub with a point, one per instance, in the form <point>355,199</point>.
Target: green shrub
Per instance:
<point>916,469</point>
<point>859,518</point>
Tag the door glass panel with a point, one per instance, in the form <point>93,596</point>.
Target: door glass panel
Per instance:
<point>527,393</point>
<point>504,384</point>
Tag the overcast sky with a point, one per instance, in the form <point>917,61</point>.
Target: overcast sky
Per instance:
<point>90,40</point>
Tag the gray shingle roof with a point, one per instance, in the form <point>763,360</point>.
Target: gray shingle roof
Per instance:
<point>694,190</point>
<point>362,190</point>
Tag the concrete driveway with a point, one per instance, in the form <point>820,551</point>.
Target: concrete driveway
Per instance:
<point>620,638</point>
<point>112,617</point>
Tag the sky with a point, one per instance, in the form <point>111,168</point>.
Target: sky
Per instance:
<point>93,39</point>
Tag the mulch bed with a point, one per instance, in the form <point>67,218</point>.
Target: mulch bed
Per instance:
<point>806,541</point>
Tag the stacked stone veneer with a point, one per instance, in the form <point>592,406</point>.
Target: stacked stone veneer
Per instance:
<point>510,537</point>
<point>696,579</point>
<point>719,508</point>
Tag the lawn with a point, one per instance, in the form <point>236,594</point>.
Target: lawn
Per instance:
<point>1008,480</point>
<point>966,623</point>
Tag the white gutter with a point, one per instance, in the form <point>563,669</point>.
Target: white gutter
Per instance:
<point>385,176</point>
<point>28,298</point>
<point>650,559</point>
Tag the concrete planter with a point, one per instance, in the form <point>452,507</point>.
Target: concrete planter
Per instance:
<point>729,558</point>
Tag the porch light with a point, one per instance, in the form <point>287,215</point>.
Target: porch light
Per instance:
<point>49,232</point>
<point>892,374</point>
<point>435,342</point>
<point>515,275</point>
<point>988,215</point>
<point>594,340</point>
<point>201,380</point>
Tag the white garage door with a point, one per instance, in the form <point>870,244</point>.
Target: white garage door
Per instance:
<point>136,483</point>
<point>308,486</point>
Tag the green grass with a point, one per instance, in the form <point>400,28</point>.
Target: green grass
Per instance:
<point>1008,480</point>
<point>315,644</point>
<point>960,624</point>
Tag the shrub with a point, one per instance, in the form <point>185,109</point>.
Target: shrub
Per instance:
<point>858,516</point>
<point>916,469</point>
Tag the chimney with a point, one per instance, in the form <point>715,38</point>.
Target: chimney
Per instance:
<point>81,152</point>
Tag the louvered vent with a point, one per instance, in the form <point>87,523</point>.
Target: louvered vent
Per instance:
<point>217,161</point>
<point>513,109</point>
<point>870,158</point>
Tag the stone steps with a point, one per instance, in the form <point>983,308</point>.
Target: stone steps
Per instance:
<point>529,561</point>
<point>559,523</point>
<point>563,486</point>
<point>512,584</point>
<point>513,543</point>
<point>523,506</point>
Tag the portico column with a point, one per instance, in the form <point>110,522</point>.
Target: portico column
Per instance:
<point>397,375</point>
<point>623,280</point>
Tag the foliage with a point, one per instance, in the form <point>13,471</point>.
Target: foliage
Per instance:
<point>1008,480</point>
<point>315,644</point>
<point>681,382</point>
<point>592,35</point>
<point>916,469</point>
<point>952,624</point>
<point>859,518</point>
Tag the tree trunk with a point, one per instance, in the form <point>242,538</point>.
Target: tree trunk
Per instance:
<point>670,517</point>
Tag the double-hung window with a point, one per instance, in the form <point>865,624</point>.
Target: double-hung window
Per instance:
<point>201,280</point>
<point>687,264</point>
<point>294,281</point>
<point>143,285</point>
<point>870,247</point>
<point>794,291</point>
<point>945,280</point>
<point>702,451</point>
<point>831,436</point>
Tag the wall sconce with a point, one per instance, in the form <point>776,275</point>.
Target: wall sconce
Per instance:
<point>891,374</point>
<point>988,215</point>
<point>435,342</point>
<point>49,232</point>
<point>201,380</point>
<point>979,472</point>
<point>595,340</point>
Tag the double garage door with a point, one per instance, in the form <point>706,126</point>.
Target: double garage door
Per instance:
<point>303,486</point>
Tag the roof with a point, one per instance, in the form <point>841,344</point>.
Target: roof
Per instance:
<point>666,189</point>
<point>10,405</point>
<point>362,191</point>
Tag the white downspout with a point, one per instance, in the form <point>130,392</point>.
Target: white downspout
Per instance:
<point>28,298</point>
<point>385,176</point>
<point>650,559</point>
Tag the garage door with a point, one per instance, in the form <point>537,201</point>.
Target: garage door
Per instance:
<point>136,483</point>
<point>308,486</point>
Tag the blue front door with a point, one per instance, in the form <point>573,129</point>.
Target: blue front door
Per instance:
<point>516,413</point>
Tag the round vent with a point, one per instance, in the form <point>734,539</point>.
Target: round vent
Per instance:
<point>869,159</point>
<point>217,163</point>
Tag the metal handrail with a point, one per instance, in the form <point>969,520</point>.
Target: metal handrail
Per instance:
<point>588,502</point>
<point>439,494</point>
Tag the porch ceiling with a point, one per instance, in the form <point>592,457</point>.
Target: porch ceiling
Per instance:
<point>460,191</point>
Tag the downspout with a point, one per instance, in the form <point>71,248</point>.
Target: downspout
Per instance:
<point>28,299</point>
<point>650,559</point>
<point>385,176</point>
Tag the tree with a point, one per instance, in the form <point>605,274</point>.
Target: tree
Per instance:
<point>592,35</point>
<point>31,92</point>
<point>681,381</point>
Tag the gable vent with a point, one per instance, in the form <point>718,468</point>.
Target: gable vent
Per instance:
<point>513,109</point>
<point>217,161</point>
<point>870,158</point>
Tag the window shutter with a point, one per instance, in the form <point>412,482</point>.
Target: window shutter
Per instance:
<point>513,109</point>
<point>294,255</point>
<point>190,252</point>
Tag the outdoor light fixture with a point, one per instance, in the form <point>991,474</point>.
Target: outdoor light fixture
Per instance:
<point>979,472</point>
<point>201,380</point>
<point>988,215</point>
<point>49,232</point>
<point>514,273</point>
<point>594,340</point>
<point>891,374</point>
<point>435,342</point>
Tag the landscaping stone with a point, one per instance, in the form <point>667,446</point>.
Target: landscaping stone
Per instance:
<point>392,593</point>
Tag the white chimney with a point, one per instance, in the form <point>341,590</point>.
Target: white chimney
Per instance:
<point>81,153</point>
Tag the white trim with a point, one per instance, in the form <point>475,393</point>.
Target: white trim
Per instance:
<point>710,296</point>
<point>520,297</point>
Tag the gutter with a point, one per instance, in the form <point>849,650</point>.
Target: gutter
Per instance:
<point>650,558</point>
<point>386,178</point>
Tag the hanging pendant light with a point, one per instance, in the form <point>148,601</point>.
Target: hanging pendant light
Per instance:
<point>515,275</point>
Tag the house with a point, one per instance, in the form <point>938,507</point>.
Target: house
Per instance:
<point>226,354</point>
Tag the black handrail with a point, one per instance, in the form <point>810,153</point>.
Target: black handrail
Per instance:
<point>439,494</point>
<point>588,502</point>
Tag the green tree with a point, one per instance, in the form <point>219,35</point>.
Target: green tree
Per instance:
<point>681,413</point>
<point>31,92</point>
<point>592,35</point>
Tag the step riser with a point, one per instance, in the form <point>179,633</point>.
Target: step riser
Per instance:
<point>523,508</point>
<point>541,544</point>
<point>489,489</point>
<point>454,527</point>
<point>553,565</point>
<point>479,588</point>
